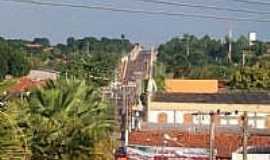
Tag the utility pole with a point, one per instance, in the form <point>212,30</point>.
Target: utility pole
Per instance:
<point>187,47</point>
<point>230,47</point>
<point>126,115</point>
<point>212,130</point>
<point>124,123</point>
<point>212,136</point>
<point>243,58</point>
<point>245,135</point>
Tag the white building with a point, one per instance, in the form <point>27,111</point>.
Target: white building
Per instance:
<point>188,108</point>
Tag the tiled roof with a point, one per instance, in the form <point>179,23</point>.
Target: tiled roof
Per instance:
<point>24,84</point>
<point>225,143</point>
<point>218,98</point>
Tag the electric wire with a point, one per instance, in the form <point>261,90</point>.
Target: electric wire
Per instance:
<point>135,11</point>
<point>204,6</point>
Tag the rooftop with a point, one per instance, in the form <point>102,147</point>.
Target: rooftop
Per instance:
<point>225,143</point>
<point>191,86</point>
<point>214,98</point>
<point>25,84</point>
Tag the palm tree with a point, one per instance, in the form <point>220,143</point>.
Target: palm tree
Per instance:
<point>13,144</point>
<point>65,120</point>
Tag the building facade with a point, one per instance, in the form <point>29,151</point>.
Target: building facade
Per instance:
<point>184,107</point>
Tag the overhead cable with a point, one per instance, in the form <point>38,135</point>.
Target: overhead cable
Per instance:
<point>135,11</point>
<point>204,6</point>
<point>253,2</point>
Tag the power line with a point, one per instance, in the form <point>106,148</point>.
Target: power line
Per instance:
<point>204,6</point>
<point>253,2</point>
<point>133,11</point>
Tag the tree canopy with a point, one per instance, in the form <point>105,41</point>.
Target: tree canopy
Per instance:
<point>207,58</point>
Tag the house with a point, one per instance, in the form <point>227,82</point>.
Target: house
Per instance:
<point>189,102</point>
<point>183,112</point>
<point>227,144</point>
<point>33,79</point>
<point>41,75</point>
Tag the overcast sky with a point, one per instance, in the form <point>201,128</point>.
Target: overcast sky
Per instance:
<point>57,23</point>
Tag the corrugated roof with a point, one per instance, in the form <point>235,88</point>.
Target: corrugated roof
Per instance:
<point>218,98</point>
<point>225,143</point>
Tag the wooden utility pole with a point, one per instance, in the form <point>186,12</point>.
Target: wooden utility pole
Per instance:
<point>212,136</point>
<point>245,135</point>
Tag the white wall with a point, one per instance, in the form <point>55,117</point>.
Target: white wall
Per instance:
<point>177,115</point>
<point>201,119</point>
<point>153,116</point>
<point>205,119</point>
<point>42,75</point>
<point>236,156</point>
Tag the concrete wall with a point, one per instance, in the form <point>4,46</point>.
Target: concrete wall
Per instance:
<point>256,120</point>
<point>42,75</point>
<point>191,86</point>
<point>236,156</point>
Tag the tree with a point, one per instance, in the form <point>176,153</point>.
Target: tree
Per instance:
<point>97,69</point>
<point>123,36</point>
<point>237,47</point>
<point>13,141</point>
<point>13,61</point>
<point>206,57</point>
<point>18,64</point>
<point>159,76</point>
<point>3,66</point>
<point>65,119</point>
<point>70,41</point>
<point>251,78</point>
<point>42,41</point>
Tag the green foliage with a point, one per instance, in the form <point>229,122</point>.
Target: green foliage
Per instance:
<point>160,76</point>
<point>180,55</point>
<point>92,45</point>
<point>98,68</point>
<point>206,58</point>
<point>92,59</point>
<point>251,78</point>
<point>42,41</point>
<point>15,56</point>
<point>4,85</point>
<point>13,61</point>
<point>65,119</point>
<point>18,64</point>
<point>13,143</point>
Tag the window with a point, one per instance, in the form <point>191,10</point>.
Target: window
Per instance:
<point>162,118</point>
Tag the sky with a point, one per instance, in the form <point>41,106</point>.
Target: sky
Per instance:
<point>26,21</point>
